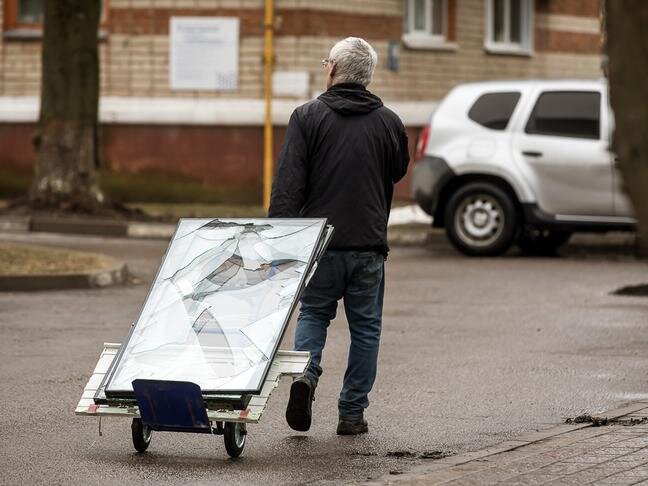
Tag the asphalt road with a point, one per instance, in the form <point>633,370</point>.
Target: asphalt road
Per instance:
<point>474,352</point>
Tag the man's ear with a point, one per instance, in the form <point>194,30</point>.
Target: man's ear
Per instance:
<point>333,70</point>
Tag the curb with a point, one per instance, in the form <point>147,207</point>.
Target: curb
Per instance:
<point>164,231</point>
<point>80,226</point>
<point>418,474</point>
<point>117,275</point>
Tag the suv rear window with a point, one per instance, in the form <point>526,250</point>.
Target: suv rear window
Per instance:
<point>494,110</point>
<point>566,114</point>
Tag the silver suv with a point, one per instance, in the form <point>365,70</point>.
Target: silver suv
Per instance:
<point>520,162</point>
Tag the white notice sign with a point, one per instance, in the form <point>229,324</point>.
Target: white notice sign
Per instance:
<point>204,53</point>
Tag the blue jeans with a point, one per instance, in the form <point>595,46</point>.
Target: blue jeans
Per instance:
<point>358,277</point>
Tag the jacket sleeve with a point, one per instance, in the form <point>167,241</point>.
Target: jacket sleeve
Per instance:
<point>402,158</point>
<point>289,185</point>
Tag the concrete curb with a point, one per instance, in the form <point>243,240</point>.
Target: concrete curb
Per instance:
<point>117,275</point>
<point>164,231</point>
<point>81,226</point>
<point>418,474</point>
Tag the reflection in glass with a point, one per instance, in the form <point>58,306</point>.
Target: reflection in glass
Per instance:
<point>419,14</point>
<point>498,21</point>
<point>220,303</point>
<point>437,17</point>
<point>30,11</point>
<point>515,22</point>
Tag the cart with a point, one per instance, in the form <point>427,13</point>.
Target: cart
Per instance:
<point>214,317</point>
<point>195,418</point>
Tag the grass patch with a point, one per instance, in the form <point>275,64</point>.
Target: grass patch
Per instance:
<point>144,188</point>
<point>14,183</point>
<point>38,260</point>
<point>173,189</point>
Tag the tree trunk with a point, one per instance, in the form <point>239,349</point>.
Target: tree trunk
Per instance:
<point>627,49</point>
<point>66,174</point>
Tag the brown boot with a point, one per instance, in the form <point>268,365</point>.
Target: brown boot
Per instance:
<point>352,426</point>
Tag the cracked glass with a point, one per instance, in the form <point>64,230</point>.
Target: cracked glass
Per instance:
<point>220,303</point>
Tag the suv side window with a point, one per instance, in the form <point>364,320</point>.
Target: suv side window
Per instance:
<point>566,114</point>
<point>494,110</point>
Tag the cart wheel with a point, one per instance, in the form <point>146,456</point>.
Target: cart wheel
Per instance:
<point>141,435</point>
<point>235,433</point>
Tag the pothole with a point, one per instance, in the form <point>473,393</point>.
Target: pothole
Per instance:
<point>433,455</point>
<point>602,421</point>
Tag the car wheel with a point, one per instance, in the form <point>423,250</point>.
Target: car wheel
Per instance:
<point>481,219</point>
<point>543,242</point>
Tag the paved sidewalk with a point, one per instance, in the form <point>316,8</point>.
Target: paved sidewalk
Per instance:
<point>616,453</point>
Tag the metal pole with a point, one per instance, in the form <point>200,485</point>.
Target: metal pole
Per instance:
<point>267,79</point>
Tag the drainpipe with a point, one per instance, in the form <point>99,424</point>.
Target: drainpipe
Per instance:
<point>268,56</point>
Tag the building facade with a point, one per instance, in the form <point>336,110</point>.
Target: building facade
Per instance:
<point>214,136</point>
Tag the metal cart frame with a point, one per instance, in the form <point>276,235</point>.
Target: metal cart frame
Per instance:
<point>229,423</point>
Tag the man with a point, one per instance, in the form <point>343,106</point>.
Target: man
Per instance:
<point>342,154</point>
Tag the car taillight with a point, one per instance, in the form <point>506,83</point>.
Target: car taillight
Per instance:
<point>422,142</point>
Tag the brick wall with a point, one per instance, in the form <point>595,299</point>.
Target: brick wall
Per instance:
<point>135,56</point>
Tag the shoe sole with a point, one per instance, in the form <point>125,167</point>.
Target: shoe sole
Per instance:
<point>363,430</point>
<point>297,413</point>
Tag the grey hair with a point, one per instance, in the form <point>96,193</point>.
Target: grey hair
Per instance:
<point>355,61</point>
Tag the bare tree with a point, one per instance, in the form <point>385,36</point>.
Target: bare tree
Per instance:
<point>627,49</point>
<point>66,174</point>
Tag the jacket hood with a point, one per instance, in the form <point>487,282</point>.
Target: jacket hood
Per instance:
<point>350,99</point>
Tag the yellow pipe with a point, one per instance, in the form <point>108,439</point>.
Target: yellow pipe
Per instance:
<point>267,79</point>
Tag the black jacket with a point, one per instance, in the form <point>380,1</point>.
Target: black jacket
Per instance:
<point>342,154</point>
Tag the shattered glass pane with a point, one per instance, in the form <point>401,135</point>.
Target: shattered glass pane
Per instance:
<point>220,302</point>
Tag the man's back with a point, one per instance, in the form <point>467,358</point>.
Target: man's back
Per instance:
<point>343,153</point>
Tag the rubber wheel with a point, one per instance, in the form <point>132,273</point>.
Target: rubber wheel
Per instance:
<point>141,435</point>
<point>481,219</point>
<point>234,435</point>
<point>541,242</point>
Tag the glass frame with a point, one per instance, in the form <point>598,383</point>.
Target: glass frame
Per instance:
<point>319,246</point>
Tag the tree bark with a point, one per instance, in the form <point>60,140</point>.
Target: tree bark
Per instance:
<point>627,49</point>
<point>66,175</point>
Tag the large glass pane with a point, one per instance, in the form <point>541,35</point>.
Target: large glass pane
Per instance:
<point>419,15</point>
<point>437,17</point>
<point>30,11</point>
<point>498,21</point>
<point>566,114</point>
<point>220,303</point>
<point>515,21</point>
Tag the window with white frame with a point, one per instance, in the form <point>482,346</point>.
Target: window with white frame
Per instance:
<point>426,21</point>
<point>509,26</point>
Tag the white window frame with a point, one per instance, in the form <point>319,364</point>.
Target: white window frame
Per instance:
<point>426,38</point>
<point>525,46</point>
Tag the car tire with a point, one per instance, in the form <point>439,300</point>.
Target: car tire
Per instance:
<point>481,219</point>
<point>542,242</point>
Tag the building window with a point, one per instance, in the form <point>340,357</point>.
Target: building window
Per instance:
<point>27,15</point>
<point>566,114</point>
<point>509,26</point>
<point>30,12</point>
<point>426,23</point>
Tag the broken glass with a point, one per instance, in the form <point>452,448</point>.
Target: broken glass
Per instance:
<point>220,303</point>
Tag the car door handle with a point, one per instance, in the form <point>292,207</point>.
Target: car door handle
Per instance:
<point>531,153</point>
